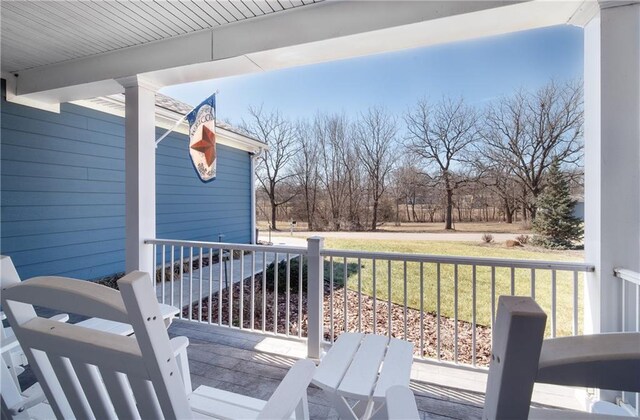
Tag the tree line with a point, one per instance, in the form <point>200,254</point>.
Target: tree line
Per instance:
<point>439,161</point>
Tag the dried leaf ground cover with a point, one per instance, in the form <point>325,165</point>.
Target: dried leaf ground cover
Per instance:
<point>275,314</point>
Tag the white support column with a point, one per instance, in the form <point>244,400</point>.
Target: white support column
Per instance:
<point>612,158</point>
<point>140,173</point>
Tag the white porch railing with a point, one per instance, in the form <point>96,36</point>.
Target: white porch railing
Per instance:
<point>630,314</point>
<point>445,305</point>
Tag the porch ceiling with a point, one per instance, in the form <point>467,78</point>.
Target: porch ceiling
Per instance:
<point>38,33</point>
<point>69,50</point>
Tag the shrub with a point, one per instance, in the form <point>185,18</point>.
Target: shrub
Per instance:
<point>523,239</point>
<point>487,238</point>
<point>294,273</point>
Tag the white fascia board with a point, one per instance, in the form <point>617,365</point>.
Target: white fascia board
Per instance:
<point>325,31</point>
<point>167,119</point>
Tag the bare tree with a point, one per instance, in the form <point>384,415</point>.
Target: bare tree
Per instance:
<point>356,190</point>
<point>331,135</point>
<point>375,136</point>
<point>275,166</point>
<point>527,131</point>
<point>307,170</point>
<point>409,186</point>
<point>442,136</point>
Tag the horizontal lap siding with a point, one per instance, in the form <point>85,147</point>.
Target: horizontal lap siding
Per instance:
<point>62,192</point>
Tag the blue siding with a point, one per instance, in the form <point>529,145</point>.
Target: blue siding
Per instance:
<point>62,192</point>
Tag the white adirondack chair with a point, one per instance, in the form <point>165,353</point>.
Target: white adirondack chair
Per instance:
<point>13,400</point>
<point>521,357</point>
<point>14,360</point>
<point>96,374</point>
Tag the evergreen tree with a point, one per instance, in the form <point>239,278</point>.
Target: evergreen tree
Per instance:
<point>555,224</point>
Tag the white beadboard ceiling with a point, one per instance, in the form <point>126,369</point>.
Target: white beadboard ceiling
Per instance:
<point>38,33</point>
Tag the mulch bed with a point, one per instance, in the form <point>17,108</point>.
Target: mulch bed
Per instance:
<point>429,328</point>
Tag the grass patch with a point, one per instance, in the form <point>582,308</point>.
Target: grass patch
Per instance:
<point>521,279</point>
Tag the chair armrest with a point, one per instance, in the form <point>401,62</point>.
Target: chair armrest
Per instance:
<point>179,347</point>
<point>60,317</point>
<point>31,397</point>
<point>608,361</point>
<point>401,404</point>
<point>291,394</point>
<point>8,344</point>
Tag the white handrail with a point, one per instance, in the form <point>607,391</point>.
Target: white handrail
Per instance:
<point>628,275</point>
<point>446,259</point>
<point>282,249</point>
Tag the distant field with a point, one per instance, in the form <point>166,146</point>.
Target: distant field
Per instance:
<point>478,227</point>
<point>522,277</point>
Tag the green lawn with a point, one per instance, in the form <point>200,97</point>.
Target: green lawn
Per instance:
<point>564,280</point>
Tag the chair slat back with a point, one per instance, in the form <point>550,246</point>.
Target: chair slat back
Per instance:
<point>96,374</point>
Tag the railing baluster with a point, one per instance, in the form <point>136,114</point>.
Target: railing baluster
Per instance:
<point>533,283</point>
<point>200,286</point>
<point>455,313</point>
<point>162,274</point>
<point>553,304</point>
<point>624,306</point>
<point>210,308</point>
<point>190,283</point>
<point>173,272</point>
<point>230,286</point>
<point>276,264</point>
<point>300,265</point>
<point>421,309</point>
<point>359,295</point>
<point>575,302</point>
<point>220,262</point>
<point>181,280</point>
<point>513,281</point>
<point>389,297</point>
<point>264,291</point>
<point>438,309</point>
<point>493,299</point>
<point>241,297</point>
<point>253,290</point>
<point>331,338</point>
<point>473,315</point>
<point>375,312</point>
<point>288,303</point>
<point>344,291</point>
<point>153,269</point>
<point>404,268</point>
<point>638,322</point>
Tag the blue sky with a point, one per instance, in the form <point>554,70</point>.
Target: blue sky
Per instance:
<point>479,70</point>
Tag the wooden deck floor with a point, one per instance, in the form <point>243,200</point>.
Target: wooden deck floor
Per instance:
<point>248,364</point>
<point>253,364</point>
